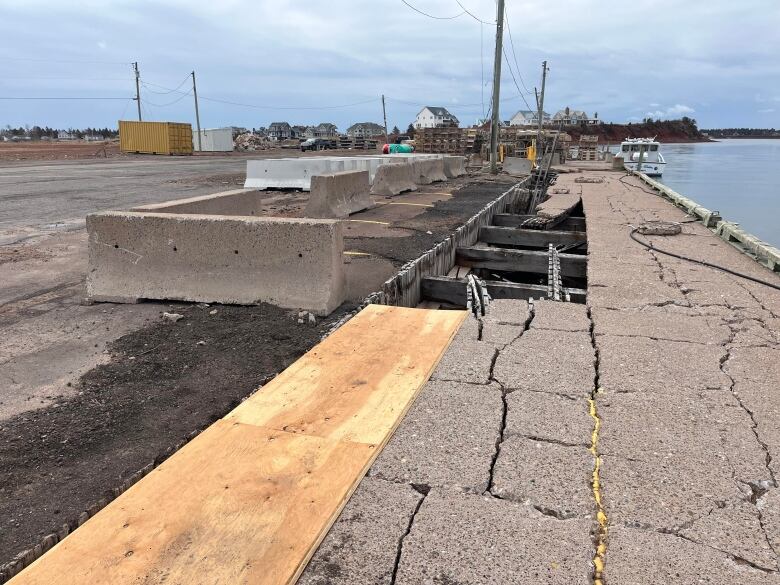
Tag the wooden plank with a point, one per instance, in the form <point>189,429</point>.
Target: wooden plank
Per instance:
<point>513,220</point>
<point>249,502</point>
<point>354,384</point>
<point>572,265</point>
<point>453,291</point>
<point>532,238</point>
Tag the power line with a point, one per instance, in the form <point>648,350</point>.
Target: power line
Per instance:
<point>186,79</point>
<point>177,100</point>
<point>514,54</point>
<point>262,107</point>
<point>512,73</point>
<point>474,105</point>
<point>431,15</point>
<point>66,61</point>
<point>63,98</point>
<point>67,78</point>
<point>287,107</point>
<point>482,65</point>
<point>473,15</point>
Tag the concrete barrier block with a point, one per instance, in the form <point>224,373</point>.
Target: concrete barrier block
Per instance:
<point>454,166</point>
<point>289,173</point>
<point>289,262</point>
<point>427,171</point>
<point>517,166</point>
<point>337,195</point>
<point>234,202</point>
<point>394,178</point>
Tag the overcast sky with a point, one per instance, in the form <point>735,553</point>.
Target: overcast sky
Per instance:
<point>716,60</point>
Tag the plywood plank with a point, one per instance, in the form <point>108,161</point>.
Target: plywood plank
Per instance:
<point>357,383</point>
<point>241,504</point>
<point>246,501</point>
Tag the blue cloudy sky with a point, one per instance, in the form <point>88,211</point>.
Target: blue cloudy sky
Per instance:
<point>303,60</point>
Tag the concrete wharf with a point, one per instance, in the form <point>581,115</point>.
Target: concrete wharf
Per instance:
<point>633,438</point>
<point>665,385</point>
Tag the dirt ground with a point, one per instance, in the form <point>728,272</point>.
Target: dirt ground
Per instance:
<point>96,393</point>
<point>46,150</point>
<point>162,383</point>
<point>79,150</point>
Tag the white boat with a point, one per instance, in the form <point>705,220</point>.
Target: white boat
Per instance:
<point>653,162</point>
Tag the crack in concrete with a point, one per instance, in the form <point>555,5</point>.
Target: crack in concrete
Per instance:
<point>600,535</point>
<point>504,403</point>
<point>552,441</point>
<point>423,490</point>
<point>755,298</point>
<point>760,487</point>
<point>736,558</point>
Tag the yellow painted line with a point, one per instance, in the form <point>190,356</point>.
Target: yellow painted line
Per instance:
<point>357,254</point>
<point>601,515</point>
<point>368,221</point>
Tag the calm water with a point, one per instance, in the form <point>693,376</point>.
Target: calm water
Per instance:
<point>739,178</point>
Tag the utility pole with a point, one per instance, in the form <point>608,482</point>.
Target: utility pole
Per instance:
<point>384,115</point>
<point>494,124</point>
<point>197,113</point>
<point>137,88</point>
<point>540,113</point>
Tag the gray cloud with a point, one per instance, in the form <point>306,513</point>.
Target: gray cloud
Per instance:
<point>287,53</point>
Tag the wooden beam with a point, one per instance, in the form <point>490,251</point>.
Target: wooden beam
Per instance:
<point>531,238</point>
<point>250,498</point>
<point>512,220</point>
<point>453,290</point>
<point>572,265</point>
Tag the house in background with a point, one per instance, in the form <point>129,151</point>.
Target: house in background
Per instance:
<point>365,130</point>
<point>298,131</point>
<point>322,130</point>
<point>64,135</point>
<point>435,117</point>
<point>569,117</point>
<point>279,131</point>
<point>528,118</point>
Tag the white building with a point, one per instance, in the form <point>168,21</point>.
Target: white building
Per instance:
<point>435,117</point>
<point>528,118</point>
<point>365,130</point>
<point>569,117</point>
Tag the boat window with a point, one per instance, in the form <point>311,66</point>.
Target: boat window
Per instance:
<point>634,148</point>
<point>625,148</point>
<point>653,147</point>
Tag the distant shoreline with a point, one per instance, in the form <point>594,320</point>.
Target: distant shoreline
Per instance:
<point>716,138</point>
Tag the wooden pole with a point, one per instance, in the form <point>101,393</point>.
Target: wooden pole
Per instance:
<point>496,120</point>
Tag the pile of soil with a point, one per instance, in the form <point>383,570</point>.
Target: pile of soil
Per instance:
<point>162,383</point>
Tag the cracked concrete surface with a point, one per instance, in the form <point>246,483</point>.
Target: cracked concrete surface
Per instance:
<point>681,364</point>
<point>461,538</point>
<point>446,439</point>
<point>689,377</point>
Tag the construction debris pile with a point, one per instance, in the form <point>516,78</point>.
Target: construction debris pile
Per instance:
<point>250,141</point>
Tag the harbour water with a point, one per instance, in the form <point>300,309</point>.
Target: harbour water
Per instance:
<point>739,178</point>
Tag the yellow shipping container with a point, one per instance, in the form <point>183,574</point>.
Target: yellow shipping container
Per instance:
<point>155,137</point>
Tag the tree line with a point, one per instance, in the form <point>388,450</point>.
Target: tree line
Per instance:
<point>746,132</point>
<point>38,132</point>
